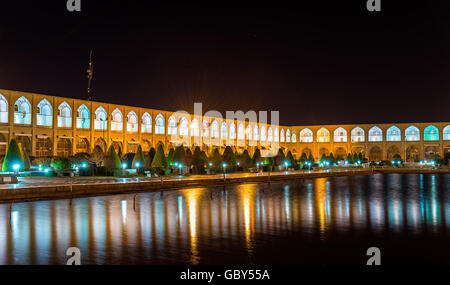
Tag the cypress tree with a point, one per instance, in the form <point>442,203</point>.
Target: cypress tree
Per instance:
<point>311,158</point>
<point>12,157</point>
<point>113,160</point>
<point>280,158</point>
<point>331,158</point>
<point>361,157</point>
<point>229,157</point>
<point>323,158</point>
<point>159,161</point>
<point>188,157</point>
<point>245,160</point>
<point>149,158</point>
<point>303,158</point>
<point>256,157</point>
<point>170,156</point>
<point>138,158</point>
<point>355,158</point>
<point>179,155</point>
<point>216,159</point>
<point>198,160</point>
<point>349,158</point>
<point>291,160</point>
<point>25,157</point>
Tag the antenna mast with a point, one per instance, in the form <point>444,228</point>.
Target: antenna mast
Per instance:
<point>90,72</point>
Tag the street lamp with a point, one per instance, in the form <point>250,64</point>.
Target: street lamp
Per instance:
<point>179,168</point>
<point>124,166</point>
<point>16,168</point>
<point>224,166</point>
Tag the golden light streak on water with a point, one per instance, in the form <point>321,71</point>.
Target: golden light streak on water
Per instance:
<point>320,201</point>
<point>247,194</point>
<point>192,198</point>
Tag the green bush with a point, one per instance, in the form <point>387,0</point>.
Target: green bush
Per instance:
<point>13,156</point>
<point>60,163</point>
<point>159,162</point>
<point>138,158</point>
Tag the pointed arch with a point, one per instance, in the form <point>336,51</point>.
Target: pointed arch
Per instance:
<point>184,127</point>
<point>205,128</point>
<point>263,133</point>
<point>160,125</point>
<point>172,125</point>
<point>146,123</point>
<point>83,117</point>
<point>22,111</point>
<point>256,133</point>
<point>195,129</point>
<point>294,138</point>
<point>306,136</point>
<point>224,131</point>
<point>269,134</point>
<point>249,133</point>
<point>215,130</point>
<point>431,133</point>
<point>116,120</point>
<point>412,134</point>
<point>276,135</point>
<point>288,135</point>
<point>393,134</point>
<point>132,122</point>
<point>233,131</point>
<point>3,109</point>
<point>358,135</point>
<point>44,115</point>
<point>241,132</point>
<point>340,135</point>
<point>282,136</point>
<point>64,115</point>
<point>375,134</point>
<point>446,133</point>
<point>100,121</point>
<point>323,135</point>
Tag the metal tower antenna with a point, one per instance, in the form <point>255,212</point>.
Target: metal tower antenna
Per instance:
<point>90,72</point>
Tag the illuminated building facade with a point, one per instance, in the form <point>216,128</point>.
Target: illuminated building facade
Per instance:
<point>55,126</point>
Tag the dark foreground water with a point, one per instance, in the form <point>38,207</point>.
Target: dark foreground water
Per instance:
<point>320,221</point>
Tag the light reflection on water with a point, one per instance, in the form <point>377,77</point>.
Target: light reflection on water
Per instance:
<point>223,225</point>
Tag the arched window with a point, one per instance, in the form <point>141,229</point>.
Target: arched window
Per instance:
<point>132,122</point>
<point>232,131</point>
<point>3,109</point>
<point>205,129</point>
<point>393,134</point>
<point>340,135</point>
<point>256,133</point>
<point>249,133</point>
<point>358,135</point>
<point>22,111</point>
<point>276,135</point>
<point>215,130</point>
<point>64,115</point>
<point>447,133</point>
<point>323,135</point>
<point>172,126</point>
<point>241,132</point>
<point>288,135</point>
<point>431,133</point>
<point>184,127</point>
<point>412,134</point>
<point>100,121</point>
<point>195,130</point>
<point>84,117</point>
<point>375,134</point>
<point>294,138</point>
<point>224,130</point>
<point>263,134</point>
<point>306,136</point>
<point>160,125</point>
<point>269,134</point>
<point>146,124</point>
<point>282,136</point>
<point>44,114</point>
<point>116,120</point>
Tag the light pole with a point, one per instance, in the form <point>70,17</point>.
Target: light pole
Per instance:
<point>224,166</point>
<point>179,168</point>
<point>16,168</point>
<point>124,166</point>
<point>137,165</point>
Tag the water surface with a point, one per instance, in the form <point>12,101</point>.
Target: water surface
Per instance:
<point>320,221</point>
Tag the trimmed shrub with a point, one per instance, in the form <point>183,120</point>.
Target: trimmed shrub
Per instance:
<point>138,158</point>
<point>159,162</point>
<point>13,156</point>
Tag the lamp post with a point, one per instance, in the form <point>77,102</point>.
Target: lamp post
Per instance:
<point>16,168</point>
<point>224,166</point>
<point>137,165</point>
<point>179,168</point>
<point>124,166</point>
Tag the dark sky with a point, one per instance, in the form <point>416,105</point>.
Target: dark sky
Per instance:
<point>331,62</point>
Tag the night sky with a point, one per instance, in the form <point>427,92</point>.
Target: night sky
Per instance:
<point>330,63</point>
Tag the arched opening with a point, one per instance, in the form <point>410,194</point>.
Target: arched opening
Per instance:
<point>172,126</point>
<point>100,121</point>
<point>64,115</point>
<point>63,147</point>
<point>43,147</point>
<point>160,127</point>
<point>276,135</point>
<point>3,109</point>
<point>412,134</point>
<point>323,135</point>
<point>340,135</point>
<point>100,142</point>
<point>117,145</point>
<point>82,145</point>
<point>146,145</point>
<point>146,124</point>
<point>132,122</point>
<point>195,129</point>
<point>431,152</point>
<point>241,132</point>
<point>294,138</point>
<point>84,117</point>
<point>375,134</point>
<point>269,134</point>
<point>256,134</point>
<point>22,111</point>
<point>392,151</point>
<point>393,134</point>
<point>132,146</point>
<point>116,120</point>
<point>412,154</point>
<point>282,138</point>
<point>44,116</point>
<point>232,131</point>
<point>306,136</point>
<point>340,152</point>
<point>184,127</point>
<point>431,133</point>
<point>375,154</point>
<point>446,133</point>
<point>288,135</point>
<point>224,130</point>
<point>358,135</point>
<point>25,142</point>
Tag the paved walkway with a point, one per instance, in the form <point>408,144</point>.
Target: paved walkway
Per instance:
<point>27,182</point>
